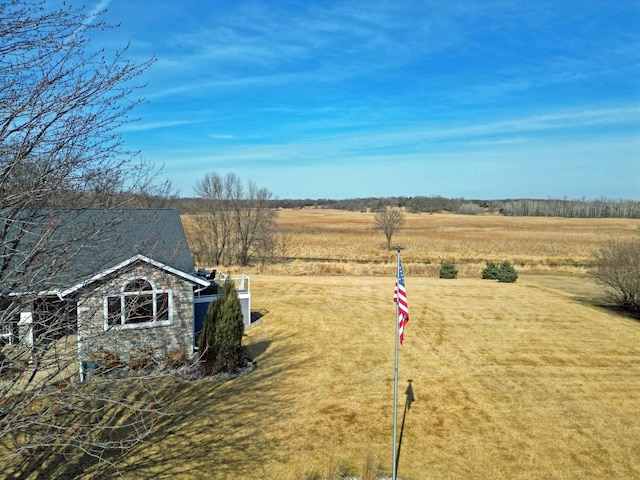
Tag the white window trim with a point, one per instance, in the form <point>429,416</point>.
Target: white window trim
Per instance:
<point>123,294</point>
<point>6,332</point>
<point>9,326</point>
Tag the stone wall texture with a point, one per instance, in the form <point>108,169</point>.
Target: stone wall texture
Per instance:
<point>127,342</point>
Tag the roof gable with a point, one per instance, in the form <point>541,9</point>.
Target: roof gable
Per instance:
<point>137,258</point>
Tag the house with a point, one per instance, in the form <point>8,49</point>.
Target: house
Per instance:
<point>123,281</point>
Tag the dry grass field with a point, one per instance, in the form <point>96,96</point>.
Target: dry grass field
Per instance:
<point>346,242</point>
<point>526,380</point>
<point>532,380</point>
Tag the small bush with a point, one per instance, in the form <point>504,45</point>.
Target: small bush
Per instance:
<point>491,271</point>
<point>506,273</point>
<point>141,360</point>
<point>617,268</point>
<point>176,358</point>
<point>448,270</point>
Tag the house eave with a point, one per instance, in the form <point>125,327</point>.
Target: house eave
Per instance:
<point>104,273</point>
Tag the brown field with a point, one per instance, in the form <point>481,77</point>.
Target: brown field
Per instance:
<point>526,380</point>
<point>342,242</point>
<point>532,380</point>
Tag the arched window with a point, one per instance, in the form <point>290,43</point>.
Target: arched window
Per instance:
<point>139,303</point>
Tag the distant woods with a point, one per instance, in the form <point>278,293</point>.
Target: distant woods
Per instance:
<point>599,208</point>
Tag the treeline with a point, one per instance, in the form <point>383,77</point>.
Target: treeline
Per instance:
<point>600,208</point>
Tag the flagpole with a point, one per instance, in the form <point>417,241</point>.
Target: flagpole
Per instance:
<point>395,382</point>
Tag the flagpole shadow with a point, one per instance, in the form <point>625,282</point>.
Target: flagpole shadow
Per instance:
<point>407,406</point>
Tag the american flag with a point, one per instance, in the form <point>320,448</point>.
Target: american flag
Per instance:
<point>400,297</point>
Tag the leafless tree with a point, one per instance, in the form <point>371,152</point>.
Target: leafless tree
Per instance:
<point>389,220</point>
<point>253,217</point>
<point>282,243</point>
<point>238,223</point>
<point>213,230</point>
<point>159,194</point>
<point>61,107</point>
<point>617,267</point>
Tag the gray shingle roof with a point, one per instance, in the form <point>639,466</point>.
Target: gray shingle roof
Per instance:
<point>48,249</point>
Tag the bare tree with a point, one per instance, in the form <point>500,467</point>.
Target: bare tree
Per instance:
<point>161,194</point>
<point>389,220</point>
<point>253,217</point>
<point>617,267</point>
<point>238,223</point>
<point>282,243</point>
<point>213,230</point>
<point>61,107</point>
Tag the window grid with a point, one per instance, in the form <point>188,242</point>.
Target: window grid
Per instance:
<point>144,306</point>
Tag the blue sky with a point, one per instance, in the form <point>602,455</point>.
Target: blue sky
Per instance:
<point>344,99</point>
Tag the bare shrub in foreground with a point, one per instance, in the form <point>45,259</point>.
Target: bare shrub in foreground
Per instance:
<point>617,267</point>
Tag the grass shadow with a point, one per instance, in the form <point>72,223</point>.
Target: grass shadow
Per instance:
<point>213,427</point>
<point>614,309</point>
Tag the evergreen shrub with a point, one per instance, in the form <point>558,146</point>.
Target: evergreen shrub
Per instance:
<point>448,270</point>
<point>220,343</point>
<point>491,271</point>
<point>506,273</point>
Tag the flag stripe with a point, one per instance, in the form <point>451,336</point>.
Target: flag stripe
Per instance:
<point>400,297</point>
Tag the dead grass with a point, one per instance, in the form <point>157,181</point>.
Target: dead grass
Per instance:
<point>337,242</point>
<point>520,380</point>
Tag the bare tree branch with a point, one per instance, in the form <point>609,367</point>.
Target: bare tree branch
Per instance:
<point>62,106</point>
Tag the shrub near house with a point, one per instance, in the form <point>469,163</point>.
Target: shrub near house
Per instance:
<point>220,342</point>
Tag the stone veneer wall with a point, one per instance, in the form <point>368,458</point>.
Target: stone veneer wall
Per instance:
<point>127,341</point>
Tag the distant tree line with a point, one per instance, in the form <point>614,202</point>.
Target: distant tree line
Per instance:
<point>599,208</point>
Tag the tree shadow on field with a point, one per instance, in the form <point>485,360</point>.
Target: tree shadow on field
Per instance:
<point>93,415</point>
<point>257,349</point>
<point>214,426</point>
<point>614,309</point>
<point>209,426</point>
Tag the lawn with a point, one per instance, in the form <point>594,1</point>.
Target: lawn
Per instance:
<point>527,380</point>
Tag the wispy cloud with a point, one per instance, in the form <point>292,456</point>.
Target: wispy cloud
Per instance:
<point>101,6</point>
<point>146,126</point>
<point>220,136</point>
<point>93,14</point>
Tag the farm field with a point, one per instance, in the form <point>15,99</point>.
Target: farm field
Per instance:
<point>323,241</point>
<point>532,380</point>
